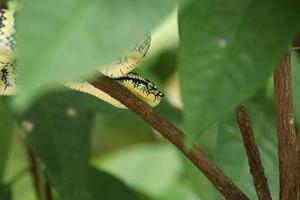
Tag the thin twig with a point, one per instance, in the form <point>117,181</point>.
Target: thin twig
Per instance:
<point>284,122</point>
<point>34,172</point>
<point>174,135</point>
<point>42,187</point>
<point>256,167</point>
<point>48,191</point>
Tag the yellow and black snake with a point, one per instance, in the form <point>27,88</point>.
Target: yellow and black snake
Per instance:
<point>119,70</point>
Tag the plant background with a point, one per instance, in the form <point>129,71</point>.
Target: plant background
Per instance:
<point>90,150</point>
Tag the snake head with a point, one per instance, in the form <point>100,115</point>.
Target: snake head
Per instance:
<point>142,88</point>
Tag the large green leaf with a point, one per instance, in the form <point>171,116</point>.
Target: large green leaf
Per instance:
<point>231,156</point>
<point>6,129</point>
<point>58,130</point>
<point>104,186</point>
<point>61,40</point>
<point>5,192</point>
<point>198,184</point>
<point>182,190</point>
<point>228,50</point>
<point>149,168</point>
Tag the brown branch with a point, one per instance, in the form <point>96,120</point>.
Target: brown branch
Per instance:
<point>174,135</point>
<point>42,187</point>
<point>293,177</point>
<point>297,165</point>
<point>285,123</point>
<point>48,191</point>
<point>256,167</point>
<point>296,185</point>
<point>34,172</point>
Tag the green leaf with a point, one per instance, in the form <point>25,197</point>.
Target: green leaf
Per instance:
<point>58,130</point>
<point>6,129</point>
<point>69,39</point>
<point>149,168</point>
<point>182,190</point>
<point>230,154</point>
<point>228,51</point>
<point>5,192</point>
<point>104,186</point>
<point>107,137</point>
<point>195,183</point>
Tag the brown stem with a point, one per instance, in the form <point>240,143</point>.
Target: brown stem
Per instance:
<point>256,167</point>
<point>42,187</point>
<point>284,122</point>
<point>296,182</point>
<point>34,172</point>
<point>293,177</point>
<point>48,191</point>
<point>174,135</point>
<point>297,165</point>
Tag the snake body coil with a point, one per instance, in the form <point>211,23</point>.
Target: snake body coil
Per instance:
<point>119,70</point>
<point>8,73</point>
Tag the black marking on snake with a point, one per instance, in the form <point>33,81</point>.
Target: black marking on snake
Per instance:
<point>9,41</point>
<point>14,71</point>
<point>130,66</point>
<point>141,47</point>
<point>122,61</point>
<point>121,71</point>
<point>125,60</point>
<point>12,41</point>
<point>146,86</point>
<point>4,78</point>
<point>2,18</point>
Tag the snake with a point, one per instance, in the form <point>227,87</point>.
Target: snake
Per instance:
<point>121,69</point>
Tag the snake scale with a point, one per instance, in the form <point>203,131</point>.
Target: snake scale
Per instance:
<point>120,70</point>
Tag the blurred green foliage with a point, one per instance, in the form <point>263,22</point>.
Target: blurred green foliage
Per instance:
<point>234,47</point>
<point>92,31</point>
<point>6,129</point>
<point>5,192</point>
<point>64,116</point>
<point>90,150</point>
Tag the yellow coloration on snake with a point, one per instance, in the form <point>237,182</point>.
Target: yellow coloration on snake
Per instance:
<point>126,64</point>
<point>8,73</point>
<point>119,70</point>
<point>143,88</point>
